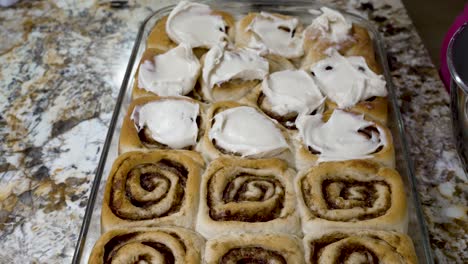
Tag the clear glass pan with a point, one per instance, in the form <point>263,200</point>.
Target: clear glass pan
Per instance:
<point>91,230</point>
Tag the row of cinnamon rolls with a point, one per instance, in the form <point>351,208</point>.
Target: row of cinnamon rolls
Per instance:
<point>252,206</point>
<point>233,129</point>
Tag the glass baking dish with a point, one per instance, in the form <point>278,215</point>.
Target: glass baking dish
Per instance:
<point>91,230</point>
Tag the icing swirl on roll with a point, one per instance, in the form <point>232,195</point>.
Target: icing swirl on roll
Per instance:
<point>331,25</point>
<point>169,122</point>
<point>276,34</point>
<point>347,80</point>
<point>222,65</point>
<point>344,136</point>
<point>196,25</point>
<point>172,73</point>
<point>244,131</point>
<point>292,91</point>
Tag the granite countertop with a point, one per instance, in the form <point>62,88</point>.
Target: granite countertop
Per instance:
<point>61,66</point>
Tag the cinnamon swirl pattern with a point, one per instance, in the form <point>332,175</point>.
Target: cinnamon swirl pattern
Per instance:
<point>240,195</point>
<point>154,122</point>
<point>148,245</point>
<point>351,195</point>
<point>364,246</point>
<point>248,248</point>
<point>157,188</point>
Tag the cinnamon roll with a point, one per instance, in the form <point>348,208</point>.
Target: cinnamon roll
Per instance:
<point>331,30</point>
<point>230,74</point>
<point>239,195</point>
<point>234,129</point>
<point>254,248</point>
<point>170,73</point>
<point>284,95</point>
<point>161,123</point>
<point>271,34</point>
<point>354,194</point>
<point>363,246</point>
<point>349,83</point>
<point>148,245</point>
<point>157,188</point>
<point>340,135</point>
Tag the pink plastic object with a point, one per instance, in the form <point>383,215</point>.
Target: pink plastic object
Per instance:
<point>444,72</point>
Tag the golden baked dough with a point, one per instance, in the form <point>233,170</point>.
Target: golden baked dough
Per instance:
<point>385,155</point>
<point>211,151</point>
<point>151,245</point>
<point>332,246</point>
<point>254,248</point>
<point>156,188</point>
<point>240,195</point>
<point>130,139</point>
<point>355,194</point>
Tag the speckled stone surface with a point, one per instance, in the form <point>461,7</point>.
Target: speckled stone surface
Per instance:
<point>61,66</point>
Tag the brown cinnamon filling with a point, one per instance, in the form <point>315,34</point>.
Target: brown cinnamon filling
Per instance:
<point>150,176</point>
<point>149,142</point>
<point>287,120</point>
<point>352,194</point>
<point>252,255</point>
<point>317,247</point>
<point>239,190</point>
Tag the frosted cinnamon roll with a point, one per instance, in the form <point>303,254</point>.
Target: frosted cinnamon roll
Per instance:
<point>284,95</point>
<point>157,188</point>
<point>363,246</point>
<point>148,245</point>
<point>161,123</point>
<point>271,34</point>
<point>229,74</point>
<point>171,73</point>
<point>233,129</point>
<point>239,195</point>
<point>331,30</point>
<point>252,248</point>
<point>348,195</point>
<point>341,135</point>
<point>349,83</point>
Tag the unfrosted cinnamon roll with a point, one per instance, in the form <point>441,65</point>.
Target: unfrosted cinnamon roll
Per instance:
<point>239,195</point>
<point>363,246</point>
<point>157,188</point>
<point>354,194</point>
<point>154,122</point>
<point>254,248</point>
<point>170,73</point>
<point>340,135</point>
<point>230,74</point>
<point>234,129</point>
<point>148,245</point>
<point>271,34</point>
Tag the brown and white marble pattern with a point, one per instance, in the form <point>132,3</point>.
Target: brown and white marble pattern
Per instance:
<point>61,66</point>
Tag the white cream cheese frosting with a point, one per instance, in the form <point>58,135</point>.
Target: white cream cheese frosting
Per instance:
<point>347,80</point>
<point>339,137</point>
<point>195,25</point>
<point>272,34</point>
<point>331,24</point>
<point>292,91</point>
<point>245,131</point>
<point>222,65</point>
<point>171,122</point>
<point>172,73</point>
